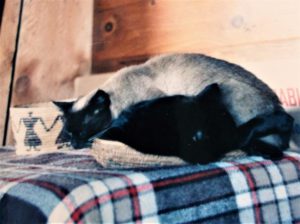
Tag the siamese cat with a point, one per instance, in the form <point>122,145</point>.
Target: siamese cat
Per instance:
<point>197,129</point>
<point>243,94</point>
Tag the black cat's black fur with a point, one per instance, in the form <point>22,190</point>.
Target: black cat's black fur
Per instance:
<point>198,129</point>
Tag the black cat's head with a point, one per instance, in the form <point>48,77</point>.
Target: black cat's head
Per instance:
<point>213,127</point>
<point>85,117</point>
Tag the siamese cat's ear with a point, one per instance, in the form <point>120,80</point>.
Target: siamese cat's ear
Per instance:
<point>210,92</point>
<point>100,98</point>
<point>63,106</point>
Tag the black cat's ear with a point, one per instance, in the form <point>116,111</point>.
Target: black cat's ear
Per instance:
<point>63,106</point>
<point>100,98</point>
<point>210,92</point>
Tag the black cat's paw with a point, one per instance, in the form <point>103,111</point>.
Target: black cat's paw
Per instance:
<point>267,151</point>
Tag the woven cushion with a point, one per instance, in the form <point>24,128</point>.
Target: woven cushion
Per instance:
<point>113,154</point>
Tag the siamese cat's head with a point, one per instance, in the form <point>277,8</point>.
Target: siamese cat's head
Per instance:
<point>85,117</point>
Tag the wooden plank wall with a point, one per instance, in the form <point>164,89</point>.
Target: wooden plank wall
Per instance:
<point>54,49</point>
<point>7,50</point>
<point>1,10</point>
<point>129,31</point>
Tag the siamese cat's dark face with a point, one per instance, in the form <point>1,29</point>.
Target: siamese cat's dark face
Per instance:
<point>85,117</point>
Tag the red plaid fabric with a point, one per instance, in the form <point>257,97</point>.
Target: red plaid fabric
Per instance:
<point>70,187</point>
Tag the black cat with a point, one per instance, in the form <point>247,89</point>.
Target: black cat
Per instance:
<point>198,129</point>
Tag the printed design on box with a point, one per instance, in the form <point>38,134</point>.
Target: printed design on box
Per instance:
<point>289,97</point>
<point>32,140</point>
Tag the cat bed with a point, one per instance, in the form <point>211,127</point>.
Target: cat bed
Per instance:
<point>117,154</point>
<point>113,154</point>
<point>37,128</point>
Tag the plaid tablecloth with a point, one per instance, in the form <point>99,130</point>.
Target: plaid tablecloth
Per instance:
<point>71,187</point>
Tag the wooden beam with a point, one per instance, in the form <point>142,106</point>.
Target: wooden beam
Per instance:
<point>7,50</point>
<point>1,11</point>
<point>55,48</point>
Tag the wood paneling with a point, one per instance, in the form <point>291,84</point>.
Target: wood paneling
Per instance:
<point>54,49</point>
<point>7,49</point>
<point>127,32</point>
<point>1,11</point>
